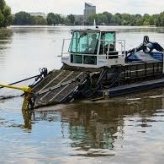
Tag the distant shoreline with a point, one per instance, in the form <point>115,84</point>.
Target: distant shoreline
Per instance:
<point>105,18</point>
<point>116,28</point>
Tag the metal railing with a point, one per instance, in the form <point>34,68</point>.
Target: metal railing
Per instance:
<point>103,52</point>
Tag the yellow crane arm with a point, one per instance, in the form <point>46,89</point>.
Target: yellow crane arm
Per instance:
<point>22,88</point>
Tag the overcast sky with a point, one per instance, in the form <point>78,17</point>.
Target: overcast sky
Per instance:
<point>66,7</point>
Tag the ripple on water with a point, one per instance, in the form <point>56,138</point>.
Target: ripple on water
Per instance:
<point>129,129</point>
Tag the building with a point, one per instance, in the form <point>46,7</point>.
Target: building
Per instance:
<point>89,10</point>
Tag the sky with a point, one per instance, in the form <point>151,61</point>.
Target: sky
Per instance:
<point>66,7</point>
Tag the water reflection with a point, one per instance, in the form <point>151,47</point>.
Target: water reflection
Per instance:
<point>135,29</point>
<point>28,29</point>
<point>100,125</point>
<point>146,29</point>
<point>5,40</point>
<point>5,33</point>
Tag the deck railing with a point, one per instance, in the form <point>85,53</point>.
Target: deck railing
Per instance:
<point>103,55</point>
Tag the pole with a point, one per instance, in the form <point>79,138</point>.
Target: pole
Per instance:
<point>21,81</point>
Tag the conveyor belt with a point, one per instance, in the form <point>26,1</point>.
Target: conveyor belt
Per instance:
<point>58,87</point>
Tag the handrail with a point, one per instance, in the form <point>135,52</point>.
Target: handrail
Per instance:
<point>63,47</point>
<point>100,55</point>
<point>103,52</point>
<point>122,42</point>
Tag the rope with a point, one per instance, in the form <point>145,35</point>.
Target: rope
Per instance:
<point>43,73</point>
<point>21,80</point>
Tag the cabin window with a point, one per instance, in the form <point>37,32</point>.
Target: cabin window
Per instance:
<point>84,42</point>
<point>107,42</point>
<point>83,47</point>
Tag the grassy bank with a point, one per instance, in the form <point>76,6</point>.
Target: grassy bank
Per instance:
<point>5,32</point>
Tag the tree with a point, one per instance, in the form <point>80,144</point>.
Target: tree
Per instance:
<point>126,18</point>
<point>102,19</point>
<point>146,19</point>
<point>138,20</point>
<point>109,16</point>
<point>2,4</point>
<point>38,20</point>
<point>5,14</point>
<point>161,19</point>
<point>22,18</point>
<point>53,19</point>
<point>71,19</point>
<point>91,18</point>
<point>1,19</point>
<point>118,18</point>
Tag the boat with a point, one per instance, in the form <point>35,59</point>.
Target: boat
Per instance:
<point>96,64</point>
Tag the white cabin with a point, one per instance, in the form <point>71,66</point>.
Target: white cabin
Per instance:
<point>93,49</point>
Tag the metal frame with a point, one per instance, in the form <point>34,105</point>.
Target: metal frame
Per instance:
<point>102,59</point>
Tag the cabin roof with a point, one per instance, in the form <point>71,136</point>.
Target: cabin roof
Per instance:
<point>93,30</point>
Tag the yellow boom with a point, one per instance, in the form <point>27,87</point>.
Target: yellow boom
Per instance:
<point>22,88</point>
<point>27,103</point>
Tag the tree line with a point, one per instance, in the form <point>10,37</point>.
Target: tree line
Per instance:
<point>127,19</point>
<point>24,18</point>
<point>105,18</point>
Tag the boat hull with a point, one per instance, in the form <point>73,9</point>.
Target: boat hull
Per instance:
<point>65,85</point>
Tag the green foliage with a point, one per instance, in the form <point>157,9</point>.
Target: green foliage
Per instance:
<point>106,18</point>
<point>1,19</point>
<point>70,19</point>
<point>2,4</point>
<point>38,20</point>
<point>23,18</point>
<point>138,20</point>
<point>54,19</point>
<point>160,19</point>
<point>101,19</point>
<point>5,14</point>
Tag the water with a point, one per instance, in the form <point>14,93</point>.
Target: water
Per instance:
<point>126,129</point>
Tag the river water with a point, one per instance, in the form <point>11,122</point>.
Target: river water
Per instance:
<point>128,129</point>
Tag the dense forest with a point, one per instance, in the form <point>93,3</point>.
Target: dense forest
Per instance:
<point>105,18</point>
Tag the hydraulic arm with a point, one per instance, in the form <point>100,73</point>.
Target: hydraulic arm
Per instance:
<point>25,89</point>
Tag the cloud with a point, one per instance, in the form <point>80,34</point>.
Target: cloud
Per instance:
<point>66,7</point>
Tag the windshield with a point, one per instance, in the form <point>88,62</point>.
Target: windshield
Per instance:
<point>84,42</point>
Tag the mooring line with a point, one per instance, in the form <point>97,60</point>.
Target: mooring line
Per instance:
<point>29,78</point>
